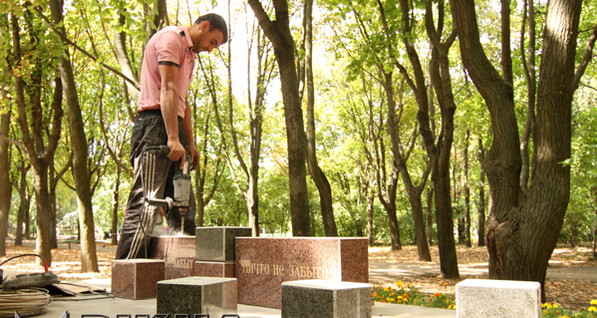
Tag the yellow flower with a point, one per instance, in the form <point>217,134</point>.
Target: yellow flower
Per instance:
<point>556,305</point>
<point>594,302</point>
<point>391,294</point>
<point>391,300</point>
<point>592,308</point>
<point>452,306</point>
<point>399,283</point>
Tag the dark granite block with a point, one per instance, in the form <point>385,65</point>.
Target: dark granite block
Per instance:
<point>136,278</point>
<point>325,299</point>
<point>263,264</point>
<point>177,251</point>
<point>217,243</point>
<point>197,295</point>
<point>214,269</point>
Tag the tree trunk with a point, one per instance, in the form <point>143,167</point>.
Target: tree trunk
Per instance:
<point>278,31</point>
<point>319,178</point>
<point>370,201</point>
<point>467,194</point>
<point>52,181</point>
<point>23,204</point>
<point>43,244</point>
<point>6,186</point>
<point>522,234</point>
<point>430,215</point>
<point>34,137</point>
<point>79,144</point>
<point>390,208</point>
<point>481,203</point>
<point>115,208</point>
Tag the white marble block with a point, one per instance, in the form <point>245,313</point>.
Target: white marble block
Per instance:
<point>498,299</point>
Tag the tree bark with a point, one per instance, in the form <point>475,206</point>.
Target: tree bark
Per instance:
<point>481,203</point>
<point>278,32</point>
<point>6,186</point>
<point>115,208</point>
<point>429,213</point>
<point>521,234</point>
<point>79,143</point>
<point>370,202</point>
<point>467,193</point>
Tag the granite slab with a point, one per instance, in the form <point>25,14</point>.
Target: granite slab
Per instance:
<point>263,264</point>
<point>214,269</point>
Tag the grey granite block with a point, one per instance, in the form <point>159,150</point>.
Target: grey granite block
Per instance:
<point>217,243</point>
<point>498,299</point>
<point>325,298</point>
<point>192,296</point>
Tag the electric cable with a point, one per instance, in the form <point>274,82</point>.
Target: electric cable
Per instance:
<point>23,255</point>
<point>25,302</point>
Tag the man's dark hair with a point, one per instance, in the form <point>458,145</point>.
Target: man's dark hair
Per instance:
<point>215,22</point>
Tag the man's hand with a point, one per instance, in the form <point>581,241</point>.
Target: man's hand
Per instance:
<point>195,156</point>
<point>177,152</point>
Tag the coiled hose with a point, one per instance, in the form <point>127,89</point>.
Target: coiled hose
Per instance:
<point>26,302</point>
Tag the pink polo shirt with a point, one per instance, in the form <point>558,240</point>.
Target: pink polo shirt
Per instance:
<point>171,46</point>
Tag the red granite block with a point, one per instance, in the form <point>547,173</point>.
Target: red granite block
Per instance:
<point>214,269</point>
<point>177,251</point>
<point>136,278</point>
<point>263,264</point>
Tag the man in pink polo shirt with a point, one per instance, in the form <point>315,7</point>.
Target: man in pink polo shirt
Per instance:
<point>165,120</point>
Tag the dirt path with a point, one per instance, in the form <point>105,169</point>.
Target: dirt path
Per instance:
<point>571,277</point>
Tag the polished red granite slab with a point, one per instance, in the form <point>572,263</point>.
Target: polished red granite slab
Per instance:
<point>214,269</point>
<point>177,251</point>
<point>263,264</point>
<point>136,278</point>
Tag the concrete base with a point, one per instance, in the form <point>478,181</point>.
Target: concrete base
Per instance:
<point>325,298</point>
<point>498,299</point>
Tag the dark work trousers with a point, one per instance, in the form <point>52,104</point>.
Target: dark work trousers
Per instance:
<point>153,177</point>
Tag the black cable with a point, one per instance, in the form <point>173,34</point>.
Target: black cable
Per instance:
<point>23,255</point>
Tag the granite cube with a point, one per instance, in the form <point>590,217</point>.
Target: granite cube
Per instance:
<point>217,243</point>
<point>136,278</point>
<point>498,299</point>
<point>325,299</point>
<point>177,251</point>
<point>196,295</point>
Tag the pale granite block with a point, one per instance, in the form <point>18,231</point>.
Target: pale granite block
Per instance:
<point>498,299</point>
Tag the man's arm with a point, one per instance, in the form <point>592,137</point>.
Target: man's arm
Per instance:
<point>187,125</point>
<point>169,108</point>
